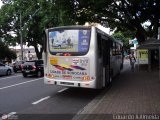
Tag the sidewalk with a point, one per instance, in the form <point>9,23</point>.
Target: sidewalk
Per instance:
<point>134,93</point>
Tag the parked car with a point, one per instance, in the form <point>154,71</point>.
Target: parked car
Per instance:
<point>17,66</point>
<point>5,69</point>
<point>33,67</point>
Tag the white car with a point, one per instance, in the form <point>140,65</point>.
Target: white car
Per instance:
<point>5,69</point>
<point>60,44</point>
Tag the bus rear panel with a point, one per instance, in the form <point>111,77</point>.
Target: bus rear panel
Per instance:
<point>70,57</point>
<point>81,56</point>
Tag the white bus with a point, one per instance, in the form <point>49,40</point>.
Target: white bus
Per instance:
<point>81,56</point>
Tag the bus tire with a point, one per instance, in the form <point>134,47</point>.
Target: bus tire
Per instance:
<point>108,80</point>
<point>111,77</point>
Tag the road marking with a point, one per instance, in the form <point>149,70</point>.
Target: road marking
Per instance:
<point>10,77</point>
<point>20,83</point>
<point>7,116</point>
<point>62,90</point>
<point>36,102</point>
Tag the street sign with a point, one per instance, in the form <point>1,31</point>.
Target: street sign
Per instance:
<point>142,55</point>
<point>134,41</point>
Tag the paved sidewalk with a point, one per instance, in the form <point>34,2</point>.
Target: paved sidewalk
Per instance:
<point>131,93</point>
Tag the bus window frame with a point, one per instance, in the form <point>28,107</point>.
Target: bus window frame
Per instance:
<point>45,41</point>
<point>71,53</point>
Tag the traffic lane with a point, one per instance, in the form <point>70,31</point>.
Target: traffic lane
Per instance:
<point>63,105</point>
<point>8,81</point>
<point>17,98</point>
<point>2,77</point>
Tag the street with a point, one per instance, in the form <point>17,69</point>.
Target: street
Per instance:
<point>30,95</point>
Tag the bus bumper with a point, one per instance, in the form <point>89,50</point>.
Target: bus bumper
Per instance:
<point>83,84</point>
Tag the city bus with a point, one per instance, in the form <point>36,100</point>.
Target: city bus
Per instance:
<point>81,56</point>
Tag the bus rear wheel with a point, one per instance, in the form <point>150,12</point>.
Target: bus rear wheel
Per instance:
<point>108,80</point>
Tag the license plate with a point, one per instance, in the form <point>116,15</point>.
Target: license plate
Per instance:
<point>27,71</point>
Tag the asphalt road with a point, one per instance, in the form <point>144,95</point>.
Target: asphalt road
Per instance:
<point>30,97</point>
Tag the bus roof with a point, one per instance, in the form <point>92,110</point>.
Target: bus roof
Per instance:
<point>68,27</point>
<point>96,25</point>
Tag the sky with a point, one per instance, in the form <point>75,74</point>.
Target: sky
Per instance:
<point>0,3</point>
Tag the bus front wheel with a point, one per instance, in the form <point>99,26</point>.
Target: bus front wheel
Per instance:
<point>110,79</point>
<point>110,76</point>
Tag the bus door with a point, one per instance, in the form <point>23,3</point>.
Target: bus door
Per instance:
<point>106,60</point>
<point>99,62</point>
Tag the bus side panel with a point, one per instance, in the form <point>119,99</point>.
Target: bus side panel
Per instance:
<point>93,59</point>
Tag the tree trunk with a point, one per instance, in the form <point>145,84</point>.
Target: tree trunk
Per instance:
<point>38,53</point>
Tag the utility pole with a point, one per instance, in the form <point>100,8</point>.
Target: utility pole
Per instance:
<point>21,37</point>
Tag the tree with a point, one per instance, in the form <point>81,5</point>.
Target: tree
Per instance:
<point>124,37</point>
<point>6,53</point>
<point>123,15</point>
<point>6,24</point>
<point>36,16</point>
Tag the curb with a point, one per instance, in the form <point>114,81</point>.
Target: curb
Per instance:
<point>85,112</point>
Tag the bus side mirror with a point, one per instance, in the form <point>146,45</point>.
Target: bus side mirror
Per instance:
<point>45,41</point>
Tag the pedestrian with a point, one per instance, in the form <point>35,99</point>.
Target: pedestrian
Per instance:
<point>69,41</point>
<point>132,60</point>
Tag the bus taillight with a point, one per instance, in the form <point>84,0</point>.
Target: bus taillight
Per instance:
<point>85,78</point>
<point>50,76</point>
<point>67,54</point>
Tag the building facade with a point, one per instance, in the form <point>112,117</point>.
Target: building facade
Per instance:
<point>28,53</point>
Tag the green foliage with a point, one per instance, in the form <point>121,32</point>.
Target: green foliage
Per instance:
<point>36,16</point>
<point>124,37</point>
<point>6,24</point>
<point>123,15</point>
<point>6,53</point>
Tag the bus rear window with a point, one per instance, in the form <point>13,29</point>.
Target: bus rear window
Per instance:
<point>72,41</point>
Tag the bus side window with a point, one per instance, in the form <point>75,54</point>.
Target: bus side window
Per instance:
<point>99,44</point>
<point>121,49</point>
<point>117,52</point>
<point>111,47</point>
<point>106,51</point>
<point>118,49</point>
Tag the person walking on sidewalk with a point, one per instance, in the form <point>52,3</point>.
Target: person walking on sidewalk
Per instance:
<point>132,60</point>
